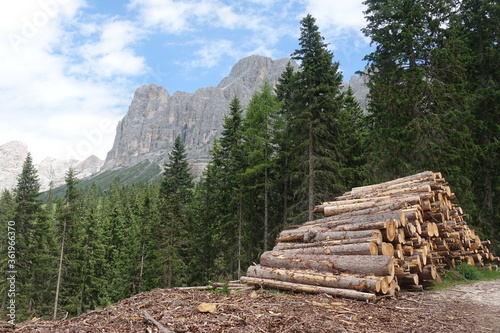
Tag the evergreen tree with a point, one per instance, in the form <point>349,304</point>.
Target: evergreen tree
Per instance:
<point>352,142</point>
<point>478,24</point>
<point>7,212</point>
<point>35,247</point>
<point>176,194</point>
<point>419,115</point>
<point>259,147</point>
<point>68,218</point>
<point>314,123</point>
<point>223,200</point>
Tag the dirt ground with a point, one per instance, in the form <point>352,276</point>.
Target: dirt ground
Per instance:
<point>465,308</point>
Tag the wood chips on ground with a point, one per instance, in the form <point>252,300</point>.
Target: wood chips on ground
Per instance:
<point>461,309</point>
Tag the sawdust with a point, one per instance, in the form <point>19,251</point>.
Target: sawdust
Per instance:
<point>466,308</point>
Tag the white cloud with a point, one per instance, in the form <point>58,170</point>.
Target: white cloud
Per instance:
<point>337,14</point>
<point>112,53</point>
<point>58,112</point>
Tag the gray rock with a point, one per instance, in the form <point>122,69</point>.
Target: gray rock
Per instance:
<point>154,118</point>
<point>51,172</point>
<point>12,157</point>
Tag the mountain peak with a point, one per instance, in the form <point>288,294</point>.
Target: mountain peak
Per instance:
<point>155,118</point>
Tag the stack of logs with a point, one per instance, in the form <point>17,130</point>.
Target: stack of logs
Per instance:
<point>375,240</point>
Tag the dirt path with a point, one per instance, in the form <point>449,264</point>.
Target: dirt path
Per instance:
<point>483,298</point>
<point>467,308</point>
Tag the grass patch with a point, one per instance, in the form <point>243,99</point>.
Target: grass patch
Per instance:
<point>463,274</point>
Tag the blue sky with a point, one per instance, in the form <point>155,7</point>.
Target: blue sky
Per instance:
<point>69,68</point>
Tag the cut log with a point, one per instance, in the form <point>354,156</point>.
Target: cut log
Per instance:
<point>331,220</point>
<point>345,249</point>
<point>286,246</point>
<point>386,249</point>
<point>321,234</point>
<point>419,177</point>
<point>373,284</point>
<point>429,272</point>
<point>408,279</point>
<point>347,293</point>
<point>340,207</point>
<point>352,264</point>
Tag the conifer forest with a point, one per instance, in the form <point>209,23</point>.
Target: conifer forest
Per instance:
<point>434,104</point>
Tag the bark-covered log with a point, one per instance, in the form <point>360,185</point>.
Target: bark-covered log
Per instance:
<point>429,272</point>
<point>339,207</point>
<point>321,234</point>
<point>366,248</point>
<point>293,245</point>
<point>352,264</point>
<point>332,220</point>
<point>347,293</point>
<point>419,177</point>
<point>373,284</point>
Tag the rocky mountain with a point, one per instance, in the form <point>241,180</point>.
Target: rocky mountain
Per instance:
<point>51,171</point>
<point>155,118</point>
<point>12,156</point>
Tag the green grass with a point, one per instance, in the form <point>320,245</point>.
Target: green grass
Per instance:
<point>463,274</point>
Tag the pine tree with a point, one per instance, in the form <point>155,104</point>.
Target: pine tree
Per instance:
<point>419,114</point>
<point>479,25</point>
<point>68,219</point>
<point>314,123</point>
<point>35,246</point>
<point>259,147</point>
<point>176,194</point>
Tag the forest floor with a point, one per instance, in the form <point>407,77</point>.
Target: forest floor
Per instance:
<point>472,307</point>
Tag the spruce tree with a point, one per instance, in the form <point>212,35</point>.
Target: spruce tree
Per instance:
<point>259,148</point>
<point>35,247</point>
<point>314,123</point>
<point>68,221</point>
<point>176,194</point>
<point>418,111</point>
<point>479,25</point>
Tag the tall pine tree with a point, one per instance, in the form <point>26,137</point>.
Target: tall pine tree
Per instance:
<point>314,123</point>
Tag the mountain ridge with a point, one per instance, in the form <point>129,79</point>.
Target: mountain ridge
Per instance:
<point>154,119</point>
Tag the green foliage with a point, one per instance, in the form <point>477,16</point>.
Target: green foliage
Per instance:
<point>312,101</point>
<point>465,273</point>
<point>434,104</point>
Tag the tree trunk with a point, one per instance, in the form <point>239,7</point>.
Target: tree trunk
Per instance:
<point>337,264</point>
<point>286,246</point>
<point>321,234</point>
<point>373,284</point>
<point>367,248</point>
<point>347,293</point>
<point>59,272</point>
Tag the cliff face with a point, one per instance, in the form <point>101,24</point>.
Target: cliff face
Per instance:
<point>155,118</point>
<point>50,171</point>
<point>12,156</point>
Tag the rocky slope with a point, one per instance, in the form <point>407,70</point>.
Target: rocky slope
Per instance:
<point>12,156</point>
<point>51,172</point>
<point>155,118</point>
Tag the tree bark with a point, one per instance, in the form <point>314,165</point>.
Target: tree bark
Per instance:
<point>286,246</point>
<point>321,234</point>
<point>347,293</point>
<point>367,248</point>
<point>351,264</point>
<point>372,284</point>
